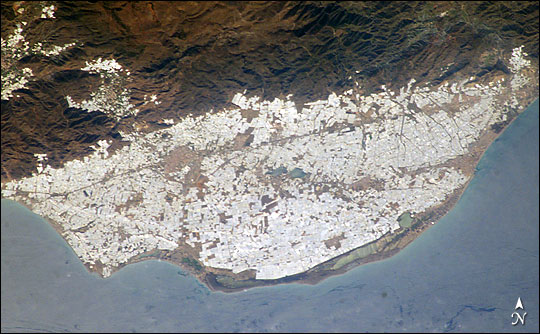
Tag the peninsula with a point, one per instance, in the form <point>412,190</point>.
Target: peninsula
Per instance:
<point>268,190</point>
<point>256,191</point>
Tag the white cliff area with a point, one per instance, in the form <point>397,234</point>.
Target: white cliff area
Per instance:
<point>264,186</point>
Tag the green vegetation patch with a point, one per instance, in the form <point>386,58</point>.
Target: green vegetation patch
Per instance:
<point>356,254</point>
<point>231,283</point>
<point>405,220</point>
<point>192,263</point>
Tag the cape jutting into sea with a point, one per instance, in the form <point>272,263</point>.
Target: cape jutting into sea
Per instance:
<point>463,274</point>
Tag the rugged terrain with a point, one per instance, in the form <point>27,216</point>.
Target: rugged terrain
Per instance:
<point>196,56</point>
<point>181,60</point>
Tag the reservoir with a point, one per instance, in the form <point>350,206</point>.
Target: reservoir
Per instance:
<point>465,273</point>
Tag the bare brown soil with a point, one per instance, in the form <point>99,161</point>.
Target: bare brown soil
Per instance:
<point>196,55</point>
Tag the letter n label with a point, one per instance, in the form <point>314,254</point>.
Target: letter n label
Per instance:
<point>519,318</point>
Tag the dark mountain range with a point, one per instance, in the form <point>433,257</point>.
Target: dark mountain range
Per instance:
<point>196,55</point>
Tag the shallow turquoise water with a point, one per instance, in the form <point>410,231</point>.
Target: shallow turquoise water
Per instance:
<point>463,274</point>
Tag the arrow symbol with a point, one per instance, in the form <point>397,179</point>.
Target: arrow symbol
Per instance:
<point>519,304</point>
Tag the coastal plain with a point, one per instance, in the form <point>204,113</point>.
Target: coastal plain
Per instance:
<point>263,191</point>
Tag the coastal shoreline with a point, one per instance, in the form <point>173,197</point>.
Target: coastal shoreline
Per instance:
<point>395,243</point>
<point>387,246</point>
<point>188,252</point>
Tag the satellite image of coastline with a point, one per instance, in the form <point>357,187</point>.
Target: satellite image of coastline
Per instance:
<point>269,166</point>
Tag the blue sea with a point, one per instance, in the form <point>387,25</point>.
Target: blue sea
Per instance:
<point>463,274</point>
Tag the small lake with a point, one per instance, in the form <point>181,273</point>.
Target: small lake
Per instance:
<point>463,274</point>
